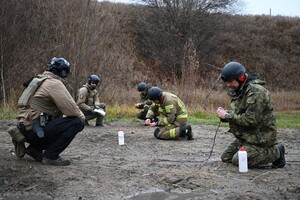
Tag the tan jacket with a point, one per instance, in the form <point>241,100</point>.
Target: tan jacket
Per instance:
<point>54,93</point>
<point>87,99</point>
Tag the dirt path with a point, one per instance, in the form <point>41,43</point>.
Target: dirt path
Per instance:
<point>146,168</point>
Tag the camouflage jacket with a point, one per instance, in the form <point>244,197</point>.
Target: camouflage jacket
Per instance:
<point>171,107</point>
<point>144,99</point>
<point>251,118</point>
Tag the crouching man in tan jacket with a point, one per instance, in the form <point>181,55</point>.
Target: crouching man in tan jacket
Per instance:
<point>88,101</point>
<point>48,117</point>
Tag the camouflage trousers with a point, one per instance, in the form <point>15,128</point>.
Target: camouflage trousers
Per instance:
<point>92,115</point>
<point>256,155</point>
<point>171,131</point>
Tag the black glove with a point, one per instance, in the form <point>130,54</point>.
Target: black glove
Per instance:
<point>140,106</point>
<point>154,119</point>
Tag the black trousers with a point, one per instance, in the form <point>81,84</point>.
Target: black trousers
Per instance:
<point>59,133</point>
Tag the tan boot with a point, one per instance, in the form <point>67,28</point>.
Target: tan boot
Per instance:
<point>19,148</point>
<point>18,139</point>
<point>16,134</point>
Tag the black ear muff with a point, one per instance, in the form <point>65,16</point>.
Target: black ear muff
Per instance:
<point>63,73</point>
<point>242,78</point>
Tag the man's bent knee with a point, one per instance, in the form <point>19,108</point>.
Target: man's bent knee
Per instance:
<point>78,123</point>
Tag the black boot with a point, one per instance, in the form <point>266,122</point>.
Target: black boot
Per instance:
<point>186,130</point>
<point>34,153</point>
<point>58,162</point>
<point>156,132</point>
<point>280,162</point>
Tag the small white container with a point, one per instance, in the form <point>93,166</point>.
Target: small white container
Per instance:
<point>243,160</point>
<point>121,137</point>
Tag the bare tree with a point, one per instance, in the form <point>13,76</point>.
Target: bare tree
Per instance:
<point>92,36</point>
<point>169,24</point>
<point>164,42</point>
<point>2,71</point>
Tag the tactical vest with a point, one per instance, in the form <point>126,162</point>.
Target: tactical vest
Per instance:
<point>90,97</point>
<point>29,91</point>
<point>27,99</point>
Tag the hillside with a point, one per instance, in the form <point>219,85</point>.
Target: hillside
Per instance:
<point>125,44</point>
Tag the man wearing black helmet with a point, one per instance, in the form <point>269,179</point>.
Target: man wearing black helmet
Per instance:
<point>88,101</point>
<point>48,117</point>
<point>251,119</point>
<point>144,103</point>
<point>173,124</point>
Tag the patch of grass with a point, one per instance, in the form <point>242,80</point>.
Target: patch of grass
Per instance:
<point>198,117</point>
<point>284,120</point>
<point>120,118</point>
<point>289,119</point>
<point>8,113</point>
<point>121,111</point>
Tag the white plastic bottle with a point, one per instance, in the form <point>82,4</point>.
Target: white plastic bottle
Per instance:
<point>243,160</point>
<point>121,137</point>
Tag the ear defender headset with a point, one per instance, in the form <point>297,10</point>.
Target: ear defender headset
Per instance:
<point>242,78</point>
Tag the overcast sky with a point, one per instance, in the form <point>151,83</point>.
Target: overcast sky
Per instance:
<point>278,7</point>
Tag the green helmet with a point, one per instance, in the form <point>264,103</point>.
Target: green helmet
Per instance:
<point>154,93</point>
<point>232,70</point>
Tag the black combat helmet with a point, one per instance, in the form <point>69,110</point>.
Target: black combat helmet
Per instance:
<point>93,79</point>
<point>232,70</point>
<point>142,86</point>
<point>154,93</point>
<point>59,66</point>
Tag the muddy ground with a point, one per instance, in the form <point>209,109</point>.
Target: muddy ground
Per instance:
<point>146,168</point>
